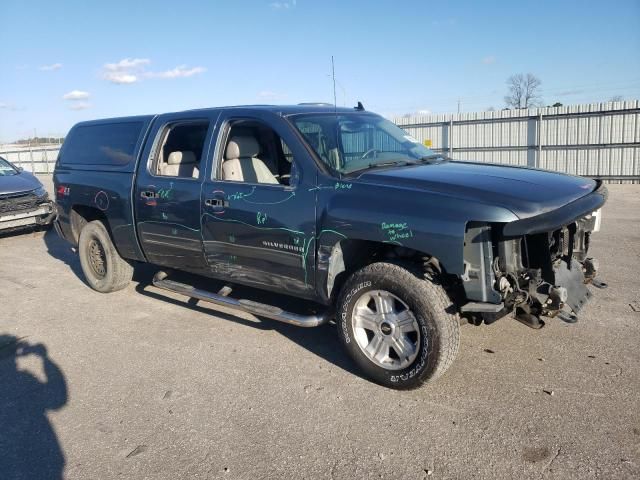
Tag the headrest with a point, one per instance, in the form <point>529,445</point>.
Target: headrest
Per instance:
<point>181,158</point>
<point>240,147</point>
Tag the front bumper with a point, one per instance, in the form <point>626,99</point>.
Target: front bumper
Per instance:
<point>44,214</point>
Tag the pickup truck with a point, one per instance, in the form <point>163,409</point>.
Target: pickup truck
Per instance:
<point>393,242</point>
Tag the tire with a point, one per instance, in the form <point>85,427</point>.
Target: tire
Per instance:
<point>412,348</point>
<point>104,269</point>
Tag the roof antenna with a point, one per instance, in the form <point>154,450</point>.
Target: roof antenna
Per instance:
<point>359,107</point>
<point>333,76</point>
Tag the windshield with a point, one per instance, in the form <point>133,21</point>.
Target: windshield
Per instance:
<point>356,141</point>
<point>6,168</point>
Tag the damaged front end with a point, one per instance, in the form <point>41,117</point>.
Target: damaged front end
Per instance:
<point>535,267</point>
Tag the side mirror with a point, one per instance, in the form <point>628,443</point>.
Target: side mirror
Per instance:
<point>20,169</point>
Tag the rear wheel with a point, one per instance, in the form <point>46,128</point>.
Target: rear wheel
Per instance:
<point>399,327</point>
<point>105,270</point>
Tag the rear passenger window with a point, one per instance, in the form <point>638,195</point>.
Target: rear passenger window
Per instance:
<point>109,144</point>
<point>180,150</point>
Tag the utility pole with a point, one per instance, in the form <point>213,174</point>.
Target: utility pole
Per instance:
<point>459,106</point>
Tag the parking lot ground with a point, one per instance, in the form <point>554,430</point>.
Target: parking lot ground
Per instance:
<point>140,384</point>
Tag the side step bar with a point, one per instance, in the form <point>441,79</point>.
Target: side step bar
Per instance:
<point>249,306</point>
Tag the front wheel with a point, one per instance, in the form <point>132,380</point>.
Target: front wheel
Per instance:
<point>105,270</point>
<point>400,328</point>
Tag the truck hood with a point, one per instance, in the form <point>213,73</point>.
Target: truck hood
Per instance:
<point>524,191</point>
<point>21,182</point>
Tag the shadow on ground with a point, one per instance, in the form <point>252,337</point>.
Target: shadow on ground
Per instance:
<point>322,341</point>
<point>29,447</point>
<point>62,250</point>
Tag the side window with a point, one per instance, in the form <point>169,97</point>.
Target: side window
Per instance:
<point>180,149</point>
<point>111,144</point>
<point>255,153</point>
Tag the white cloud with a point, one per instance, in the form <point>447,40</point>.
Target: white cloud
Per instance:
<point>125,71</point>
<point>283,5</point>
<point>132,70</point>
<point>51,68</point>
<point>127,64</point>
<point>76,95</point>
<point>10,107</point>
<point>179,72</point>
<point>80,105</point>
<point>270,95</point>
<point>490,60</point>
<point>120,77</point>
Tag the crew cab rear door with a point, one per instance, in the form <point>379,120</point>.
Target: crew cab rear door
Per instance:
<point>168,188</point>
<point>258,205</point>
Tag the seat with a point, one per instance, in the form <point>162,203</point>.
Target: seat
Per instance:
<point>181,164</point>
<point>241,163</point>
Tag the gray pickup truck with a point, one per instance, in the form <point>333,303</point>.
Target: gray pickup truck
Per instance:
<point>340,207</point>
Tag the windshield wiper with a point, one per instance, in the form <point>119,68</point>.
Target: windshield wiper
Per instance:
<point>393,163</point>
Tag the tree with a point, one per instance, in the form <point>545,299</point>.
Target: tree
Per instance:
<point>524,91</point>
<point>617,98</point>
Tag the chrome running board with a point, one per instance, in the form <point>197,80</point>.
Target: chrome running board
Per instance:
<point>260,309</point>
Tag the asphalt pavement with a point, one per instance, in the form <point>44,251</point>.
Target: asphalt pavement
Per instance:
<point>141,384</point>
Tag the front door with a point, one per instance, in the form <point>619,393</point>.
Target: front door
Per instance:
<point>168,190</point>
<point>258,214</point>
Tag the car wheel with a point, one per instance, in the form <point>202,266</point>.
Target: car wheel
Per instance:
<point>399,327</point>
<point>105,270</point>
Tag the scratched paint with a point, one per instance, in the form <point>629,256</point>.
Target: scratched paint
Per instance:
<point>307,240</point>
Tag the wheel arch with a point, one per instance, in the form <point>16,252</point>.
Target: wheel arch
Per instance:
<point>80,215</point>
<point>348,255</point>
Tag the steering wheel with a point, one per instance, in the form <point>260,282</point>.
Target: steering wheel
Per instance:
<point>369,152</point>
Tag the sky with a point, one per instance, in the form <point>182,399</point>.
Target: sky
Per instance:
<point>62,62</point>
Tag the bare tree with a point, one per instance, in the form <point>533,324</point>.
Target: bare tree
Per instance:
<point>524,91</point>
<point>616,98</point>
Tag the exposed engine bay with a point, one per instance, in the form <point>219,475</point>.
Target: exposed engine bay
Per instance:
<point>538,274</point>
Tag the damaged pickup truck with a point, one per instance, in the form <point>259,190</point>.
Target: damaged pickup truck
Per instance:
<point>340,207</point>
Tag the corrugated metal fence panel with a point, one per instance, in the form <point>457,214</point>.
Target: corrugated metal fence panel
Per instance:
<point>599,139</point>
<point>36,159</point>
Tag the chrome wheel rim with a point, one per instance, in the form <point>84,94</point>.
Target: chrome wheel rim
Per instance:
<point>97,258</point>
<point>386,330</point>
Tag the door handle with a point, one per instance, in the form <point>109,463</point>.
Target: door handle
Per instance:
<point>216,202</point>
<point>149,194</point>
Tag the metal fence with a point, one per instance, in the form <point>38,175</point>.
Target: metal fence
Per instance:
<point>597,140</point>
<point>38,159</point>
